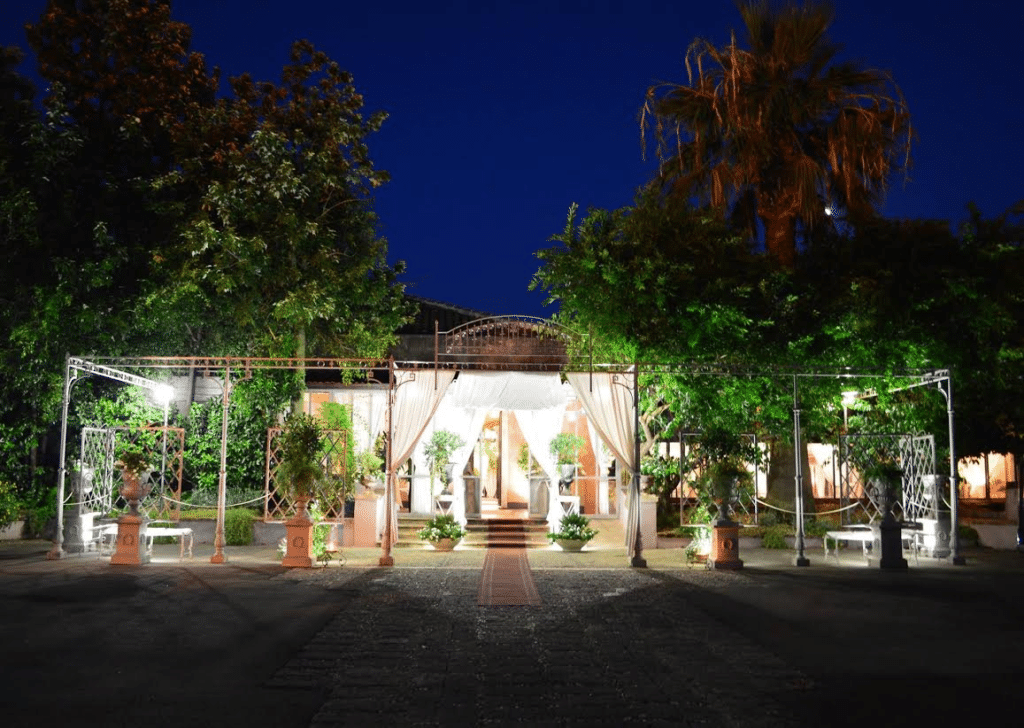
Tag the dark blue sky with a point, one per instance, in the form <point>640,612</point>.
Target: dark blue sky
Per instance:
<point>502,113</point>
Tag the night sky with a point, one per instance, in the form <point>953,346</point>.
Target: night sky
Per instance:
<point>502,114</point>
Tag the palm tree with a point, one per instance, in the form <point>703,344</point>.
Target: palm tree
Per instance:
<point>780,131</point>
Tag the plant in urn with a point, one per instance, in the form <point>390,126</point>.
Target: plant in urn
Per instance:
<point>131,527</point>
<point>135,469</point>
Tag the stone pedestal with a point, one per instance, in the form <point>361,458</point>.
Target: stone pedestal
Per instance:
<point>131,541</point>
<point>78,529</point>
<point>299,550</point>
<point>890,541</point>
<point>364,525</point>
<point>725,546</point>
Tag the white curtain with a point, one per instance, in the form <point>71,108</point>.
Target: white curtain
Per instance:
<point>466,423</point>
<point>539,429</point>
<point>417,394</point>
<point>608,400</point>
<point>538,400</point>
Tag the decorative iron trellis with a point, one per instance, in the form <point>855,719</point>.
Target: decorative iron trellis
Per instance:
<point>916,456</point>
<point>515,343</point>
<point>276,503</point>
<point>746,502</point>
<point>97,485</point>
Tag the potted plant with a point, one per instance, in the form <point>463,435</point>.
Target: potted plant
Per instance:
<point>573,532</point>
<point>439,450</point>
<point>886,478</point>
<point>135,468</point>
<point>301,442</point>
<point>443,532</point>
<point>131,527</point>
<point>368,468</point>
<point>725,477</point>
<point>566,446</point>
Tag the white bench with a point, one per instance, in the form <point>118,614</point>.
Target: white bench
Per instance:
<point>857,534</point>
<point>180,533</point>
<point>865,535</point>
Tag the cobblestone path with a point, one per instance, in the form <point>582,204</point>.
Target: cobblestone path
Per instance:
<point>411,647</point>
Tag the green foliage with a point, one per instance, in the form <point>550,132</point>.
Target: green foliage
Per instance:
<point>133,461</point>
<point>238,526</point>
<point>341,468</point>
<point>301,442</point>
<point>818,527</point>
<point>442,526</point>
<point>10,504</point>
<point>254,406</point>
<point>573,527</point>
<point>566,447</point>
<point>526,462</point>
<point>967,533</point>
<point>774,537</point>
<point>439,450</point>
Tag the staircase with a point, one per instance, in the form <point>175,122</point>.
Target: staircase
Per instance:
<point>495,533</point>
<point>408,531</point>
<point>482,532</point>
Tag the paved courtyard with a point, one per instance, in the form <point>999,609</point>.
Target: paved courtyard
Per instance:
<point>248,643</point>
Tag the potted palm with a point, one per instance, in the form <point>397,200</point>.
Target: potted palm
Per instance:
<point>574,532</point>
<point>300,470</point>
<point>443,532</point>
<point>439,450</point>
<point>566,447</point>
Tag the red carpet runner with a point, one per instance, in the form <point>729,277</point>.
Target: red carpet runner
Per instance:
<point>506,580</point>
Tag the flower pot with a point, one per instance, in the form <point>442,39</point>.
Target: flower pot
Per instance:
<point>133,490</point>
<point>445,544</point>
<point>570,544</point>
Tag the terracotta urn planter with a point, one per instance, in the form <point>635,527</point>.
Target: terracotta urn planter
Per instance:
<point>131,527</point>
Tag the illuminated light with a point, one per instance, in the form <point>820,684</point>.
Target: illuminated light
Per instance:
<point>850,398</point>
<point>163,393</point>
<point>828,211</point>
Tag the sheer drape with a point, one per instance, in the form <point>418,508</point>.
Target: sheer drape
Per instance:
<point>539,429</point>
<point>608,400</point>
<point>417,393</point>
<point>466,423</point>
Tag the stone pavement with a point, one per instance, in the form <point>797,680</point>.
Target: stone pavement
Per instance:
<point>250,643</point>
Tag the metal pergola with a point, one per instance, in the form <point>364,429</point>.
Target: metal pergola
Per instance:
<point>383,371</point>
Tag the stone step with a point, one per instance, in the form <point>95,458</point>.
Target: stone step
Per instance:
<point>506,533</point>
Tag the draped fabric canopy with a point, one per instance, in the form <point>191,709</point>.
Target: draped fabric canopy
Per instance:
<point>507,391</point>
<point>608,400</point>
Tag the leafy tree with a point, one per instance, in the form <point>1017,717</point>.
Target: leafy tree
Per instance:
<point>779,130</point>
<point>285,237</point>
<point>653,280</point>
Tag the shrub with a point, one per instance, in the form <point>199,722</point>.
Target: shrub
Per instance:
<point>10,504</point>
<point>775,538</point>
<point>815,527</point>
<point>768,518</point>
<point>966,533</point>
<point>238,526</point>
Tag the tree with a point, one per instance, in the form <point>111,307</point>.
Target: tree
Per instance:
<point>285,237</point>
<point>658,279</point>
<point>781,130</point>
